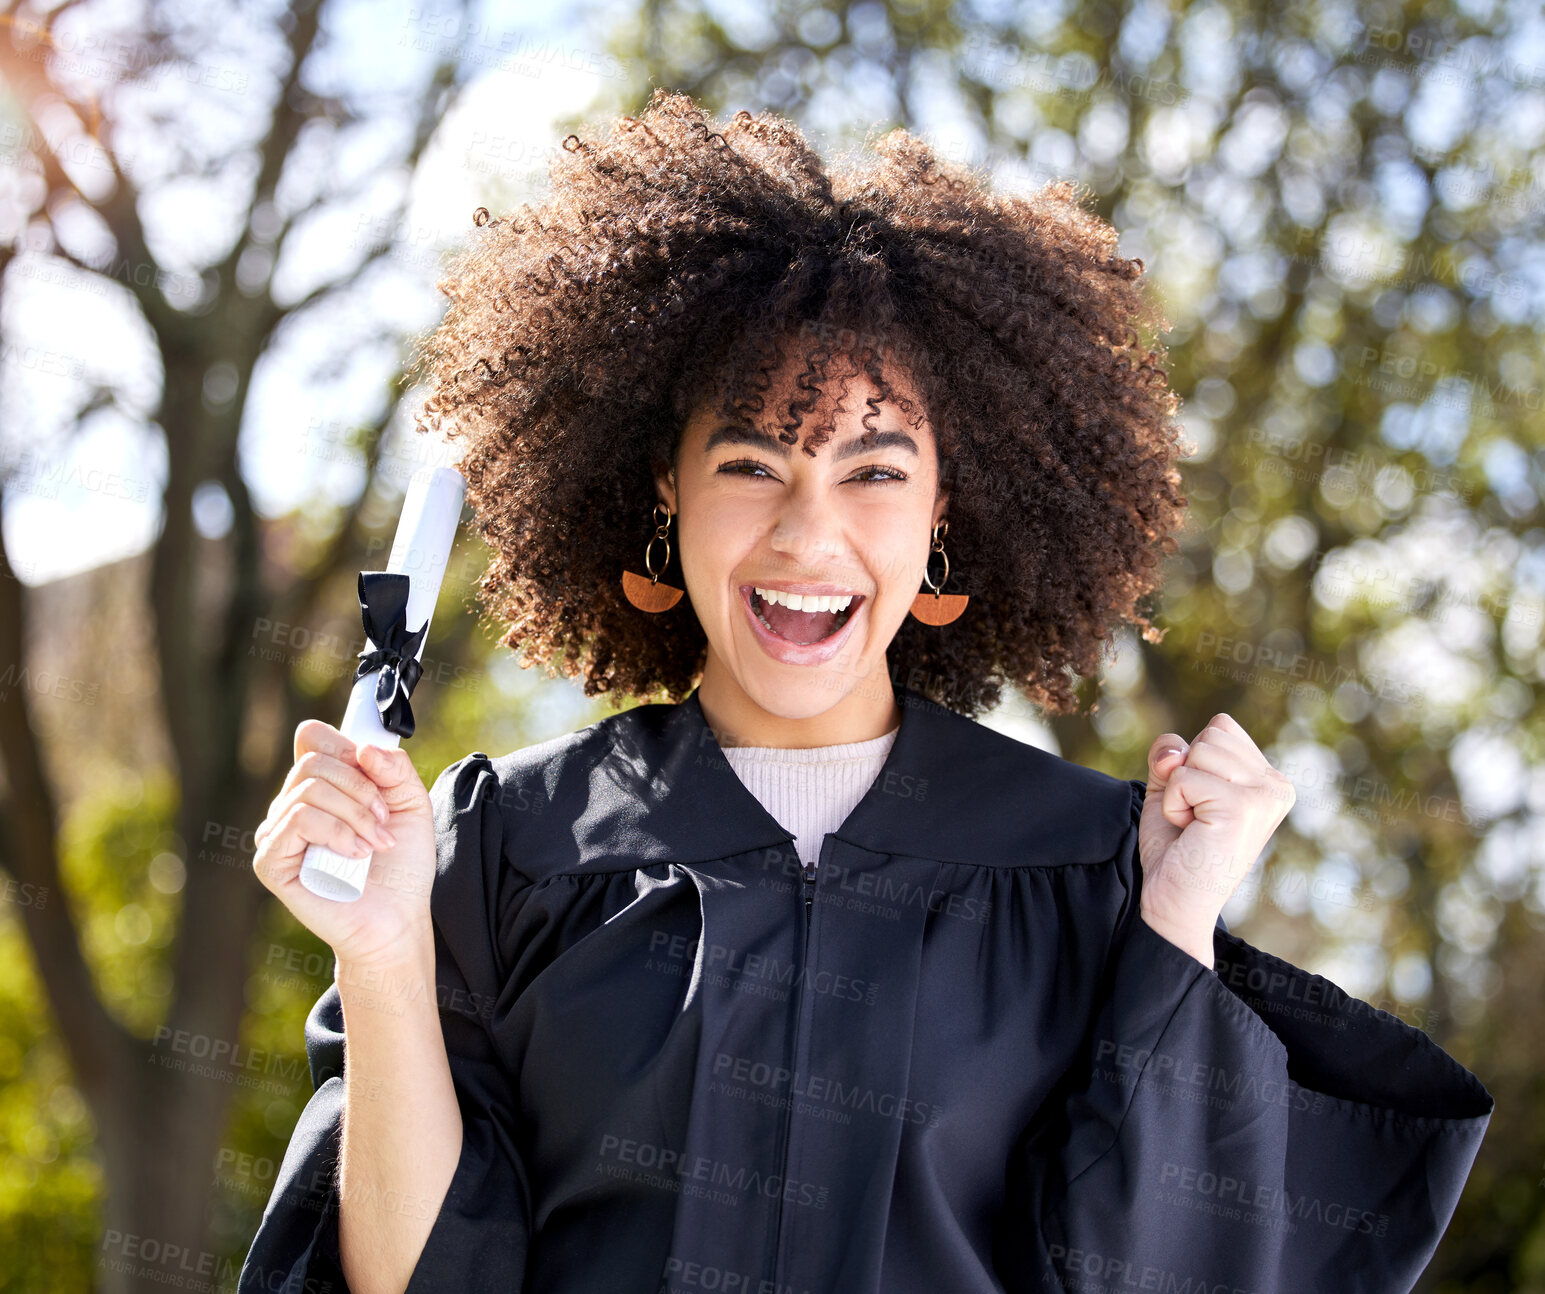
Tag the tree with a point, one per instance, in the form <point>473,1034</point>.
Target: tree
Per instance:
<point>1341,211</point>
<point>228,713</point>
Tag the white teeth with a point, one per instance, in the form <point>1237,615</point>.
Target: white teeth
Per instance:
<point>806,601</point>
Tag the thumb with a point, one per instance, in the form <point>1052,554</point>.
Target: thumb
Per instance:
<point>1155,832</point>
<point>1167,753</point>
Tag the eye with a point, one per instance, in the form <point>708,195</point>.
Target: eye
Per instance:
<point>891,474</point>
<point>750,467</point>
<point>731,468</point>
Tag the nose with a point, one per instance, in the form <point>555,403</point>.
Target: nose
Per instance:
<point>806,530</point>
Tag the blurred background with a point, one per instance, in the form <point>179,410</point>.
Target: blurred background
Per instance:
<point>220,230</point>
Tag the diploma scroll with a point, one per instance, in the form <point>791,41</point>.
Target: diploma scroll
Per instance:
<point>396,606</point>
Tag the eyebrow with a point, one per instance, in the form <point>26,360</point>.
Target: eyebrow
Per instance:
<point>740,434</point>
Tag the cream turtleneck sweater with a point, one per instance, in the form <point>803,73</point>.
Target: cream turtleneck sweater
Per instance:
<point>813,789</point>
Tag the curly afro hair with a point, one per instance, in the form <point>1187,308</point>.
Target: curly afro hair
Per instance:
<point>667,264</point>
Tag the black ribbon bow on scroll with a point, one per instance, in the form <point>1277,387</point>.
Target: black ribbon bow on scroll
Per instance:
<point>389,647</point>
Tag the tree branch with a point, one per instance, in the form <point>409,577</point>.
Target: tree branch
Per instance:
<point>29,851</point>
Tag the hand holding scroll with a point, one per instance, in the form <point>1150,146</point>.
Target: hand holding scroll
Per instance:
<point>328,798</point>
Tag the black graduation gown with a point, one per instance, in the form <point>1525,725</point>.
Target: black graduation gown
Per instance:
<point>954,1060</point>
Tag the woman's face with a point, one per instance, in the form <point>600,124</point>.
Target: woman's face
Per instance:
<point>756,516</point>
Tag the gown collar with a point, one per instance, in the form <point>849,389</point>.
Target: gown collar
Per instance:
<point>950,789</point>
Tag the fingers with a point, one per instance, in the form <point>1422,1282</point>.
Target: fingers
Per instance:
<point>388,769</point>
<point>1225,762</point>
<point>340,804</point>
<point>380,768</point>
<point>1196,783</point>
<point>279,857</point>
<point>1224,731</point>
<point>326,800</point>
<point>320,747</point>
<point>315,766</point>
<point>313,734</point>
<point>1187,790</point>
<point>1222,747</point>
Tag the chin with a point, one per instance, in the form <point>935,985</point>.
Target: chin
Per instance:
<point>806,691</point>
<point>798,698</point>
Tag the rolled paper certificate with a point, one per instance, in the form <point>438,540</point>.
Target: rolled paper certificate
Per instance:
<point>395,606</point>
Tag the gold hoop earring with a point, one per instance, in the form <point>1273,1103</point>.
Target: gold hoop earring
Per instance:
<point>651,595</point>
<point>932,608</point>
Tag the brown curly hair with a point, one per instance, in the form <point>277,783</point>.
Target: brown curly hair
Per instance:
<point>665,264</point>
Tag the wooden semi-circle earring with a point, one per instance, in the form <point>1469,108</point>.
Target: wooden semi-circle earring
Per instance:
<point>650,594</point>
<point>932,608</point>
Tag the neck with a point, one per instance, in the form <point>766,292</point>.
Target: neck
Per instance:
<point>866,712</point>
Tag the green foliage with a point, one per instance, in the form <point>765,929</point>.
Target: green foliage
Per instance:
<point>1349,261</point>
<point>122,865</point>
<point>51,1183</point>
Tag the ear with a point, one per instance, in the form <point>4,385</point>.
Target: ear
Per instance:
<point>665,485</point>
<point>939,508</point>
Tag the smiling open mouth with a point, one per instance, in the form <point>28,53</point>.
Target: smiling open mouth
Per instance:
<point>817,619</point>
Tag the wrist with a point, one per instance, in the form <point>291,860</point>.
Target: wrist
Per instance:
<point>406,970</point>
<point>1197,943</point>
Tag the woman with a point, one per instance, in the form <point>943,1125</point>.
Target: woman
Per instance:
<point>800,979</point>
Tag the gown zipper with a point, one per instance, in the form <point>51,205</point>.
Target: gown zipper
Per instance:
<point>807,886</point>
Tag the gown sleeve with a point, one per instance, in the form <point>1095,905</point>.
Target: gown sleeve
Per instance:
<point>1242,1128</point>
<point>479,1236</point>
